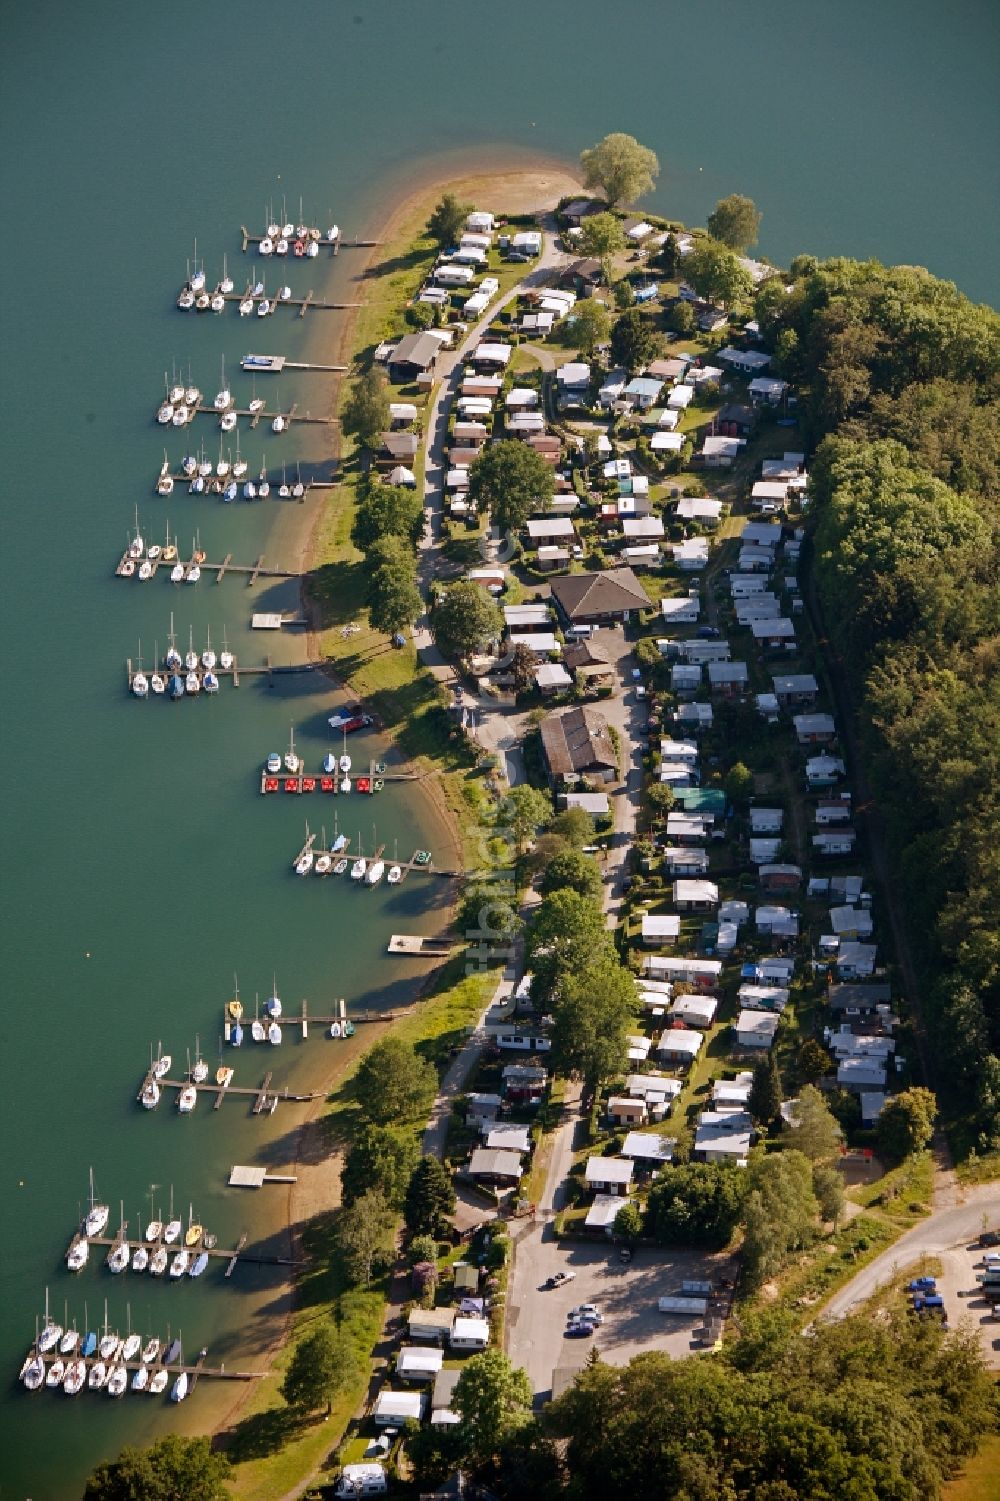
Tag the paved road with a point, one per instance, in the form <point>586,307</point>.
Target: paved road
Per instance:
<point>949,1227</point>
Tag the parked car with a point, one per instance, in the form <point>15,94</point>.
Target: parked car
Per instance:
<point>922,1285</point>
<point>559,1279</point>
<point>709,633</point>
<point>990,1238</point>
<point>578,1331</point>
<point>586,1313</point>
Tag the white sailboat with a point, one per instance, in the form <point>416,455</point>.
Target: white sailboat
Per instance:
<point>293,761</point>
<point>224,397</point>
<point>199,1069</point>
<point>97,1214</point>
<point>257,1029</point>
<point>78,1255</point>
<point>187,1099</point>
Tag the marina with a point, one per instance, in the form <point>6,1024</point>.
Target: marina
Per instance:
<point>273,364</point>
<point>131,566</point>
<point>265,1099</point>
<point>280,421</point>
<point>260,305</point>
<point>175,1369</point>
<point>414,946</point>
<point>333,240</point>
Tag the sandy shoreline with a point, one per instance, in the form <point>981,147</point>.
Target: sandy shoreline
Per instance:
<point>513,184</point>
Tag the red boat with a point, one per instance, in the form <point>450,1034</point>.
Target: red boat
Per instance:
<point>308,784</point>
<point>327,784</point>
<point>363,784</point>
<point>292,784</point>
<point>270,784</point>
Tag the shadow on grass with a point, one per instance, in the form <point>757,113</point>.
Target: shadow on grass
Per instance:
<point>262,1434</point>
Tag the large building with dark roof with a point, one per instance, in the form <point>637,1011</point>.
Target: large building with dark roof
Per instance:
<point>577,743</point>
<point>599,598</point>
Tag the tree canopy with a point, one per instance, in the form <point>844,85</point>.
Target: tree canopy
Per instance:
<point>588,325</point>
<point>696,1204</point>
<point>568,933</point>
<point>815,1132</point>
<point>387,511</point>
<point>174,1468</point>
<point>430,1198</point>
<point>466,620</point>
<point>322,1364</point>
<point>716,274</point>
<point>365,412</point>
<point>592,1013</point>
<point>446,223</point>
<point>572,868</point>
<point>393,1083</point>
<point>765,1090</point>
<point>602,236</point>
<point>493,1398</point>
<point>379,1157</point>
<point>735,221</point>
<point>366,1232</point>
<point>394,600</point>
<point>510,480</point>
<point>635,341</point>
<point>523,812</point>
<point>906,1123</point>
<point>619,168</point>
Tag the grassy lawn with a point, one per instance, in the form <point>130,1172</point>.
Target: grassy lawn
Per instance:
<point>980,1479</point>
<point>902,1195</point>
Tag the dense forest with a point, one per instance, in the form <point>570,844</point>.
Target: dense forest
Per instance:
<point>898,377</point>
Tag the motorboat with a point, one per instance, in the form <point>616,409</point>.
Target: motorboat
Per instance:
<point>153,1231</point>
<point>210,683</point>
<point>335,1029</point>
<point>263,487</point>
<point>230,493</point>
<point>55,1373</point>
<point>246,307</point>
<point>89,1345</point>
<point>192,683</point>
<point>340,843</point>
<point>284,293</point>
<point>50,1335</point>
<point>165,484</point>
<point>340,867</point>
<point>150,1350</point>
<point>224,1076</point>
<point>274,1035</point>
<point>76,1375</point>
<point>158,1262</point>
<point>178,570</point>
<point>127,568</point>
<point>375,872</point>
<point>187,1099</point>
<point>279,424</point>
<point>186,300</point>
<point>228,421</point>
<point>323,864</point>
<point>180,1263</point>
<point>157,683</point>
<point>395,875</point>
<point>150,1096</point>
<point>193,1234</point>
<point>273,763</point>
<point>97,1214</point>
<point>329,764</point>
<point>305,863</point>
<point>263,308</point>
<point>140,1259</point>
<point>165,414</point>
<point>179,1390</point>
<point>199,1264</point>
<point>131,1347</point>
<point>140,685</point>
<point>344,762</point>
<point>312,249</point>
<point>140,1379</point>
<point>118,1257</point>
<point>249,490</point>
<point>299,247</point>
<point>145,570</point>
<point>158,1383</point>
<point>69,1342</point>
<point>117,1381</point>
<point>266,246</point>
<point>97,1376</point>
<point>358,868</point>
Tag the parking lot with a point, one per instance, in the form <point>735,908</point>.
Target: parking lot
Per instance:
<point>964,1298</point>
<point>625,1294</point>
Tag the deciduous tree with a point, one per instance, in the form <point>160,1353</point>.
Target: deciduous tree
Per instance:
<point>635,342</point>
<point>575,825</point>
<point>393,1083</point>
<point>828,1186</point>
<point>466,620</point>
<point>813,1061</point>
<point>174,1468</point>
<point>494,1400</point>
<point>446,223</point>
<point>521,667</point>
<point>365,413</point>
<point>567,934</point>
<point>619,168</point>
<point>628,1222</point>
<point>588,325</point>
<point>322,1364</point>
<point>382,1158</point>
<point>781,1212</point>
<point>592,1012</point>
<point>523,812</point>
<point>697,1203</point>
<point>366,1232</point>
<point>387,511</point>
<point>765,1091</point>
<point>815,1132</point>
<point>510,480</point>
<point>394,601</point>
<point>716,274</point>
<point>602,236</point>
<point>575,870</point>
<point>735,221</point>
<point>906,1123</point>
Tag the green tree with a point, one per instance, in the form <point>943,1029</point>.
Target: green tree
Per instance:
<point>588,325</point>
<point>575,825</point>
<point>494,1399</point>
<point>619,168</point>
<point>828,1186</point>
<point>322,1364</point>
<point>466,621</point>
<point>421,315</point>
<point>681,319</point>
<point>393,1083</point>
<point>906,1123</point>
<point>387,511</point>
<point>365,413</point>
<point>446,223</point>
<point>635,342</point>
<point>523,812</point>
<point>735,221</point>
<point>510,480</point>
<point>697,1204</point>
<point>394,601</point>
<point>573,869</point>
<point>780,1215</point>
<point>592,1012</point>
<point>739,783</point>
<point>628,1223</point>
<point>568,932</point>
<point>430,1198</point>
<point>174,1468</point>
<point>813,1061</point>
<point>716,274</point>
<point>488,911</point>
<point>816,1132</point>
<point>423,1248</point>
<point>382,1158</point>
<point>660,800</point>
<point>669,257</point>
<point>765,1091</point>
<point>602,236</point>
<point>366,1237</point>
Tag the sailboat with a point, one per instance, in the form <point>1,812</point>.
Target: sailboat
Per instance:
<point>161,1067</point>
<point>395,870</point>
<point>97,1214</point>
<point>257,1029</point>
<point>140,682</point>
<point>240,465</point>
<point>118,1257</point>
<point>293,762</point>
<point>78,1255</point>
<point>195,1231</point>
<point>225,655</point>
<point>51,1331</point>
<point>226,284</point>
<point>272,1005</point>
<point>150,1096</point>
<point>208,657</point>
<point>304,863</point>
<point>199,1069</point>
<point>187,1099</point>
<point>173,1226</point>
<point>263,484</point>
<point>360,865</point>
<point>324,860</point>
<point>224,397</point>
<point>283,490</point>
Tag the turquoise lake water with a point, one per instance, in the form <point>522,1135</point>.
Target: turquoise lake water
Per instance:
<point>139,867</point>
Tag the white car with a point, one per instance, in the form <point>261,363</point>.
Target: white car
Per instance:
<point>559,1278</point>
<point>587,1312</point>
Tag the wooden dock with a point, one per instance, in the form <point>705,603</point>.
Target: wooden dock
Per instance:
<point>367,783</point>
<point>413,946</point>
<point>274,364</point>
<point>250,571</point>
<point>264,1098</point>
<point>214,488</point>
<point>110,1241</point>
<point>292,415</point>
<point>307,1019</point>
<point>195,1372</point>
<point>332,245</point>
<point>301,303</point>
